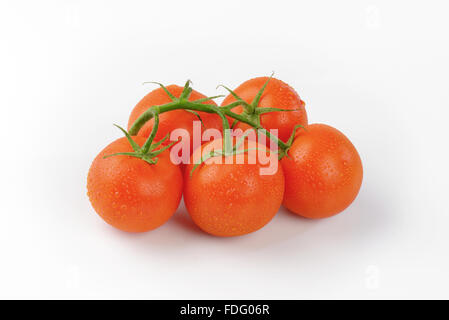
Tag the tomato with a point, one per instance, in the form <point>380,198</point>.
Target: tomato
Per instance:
<point>232,199</point>
<point>174,119</point>
<point>323,172</point>
<point>277,94</point>
<point>131,194</point>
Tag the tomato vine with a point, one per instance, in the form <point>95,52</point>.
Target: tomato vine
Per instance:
<point>250,116</point>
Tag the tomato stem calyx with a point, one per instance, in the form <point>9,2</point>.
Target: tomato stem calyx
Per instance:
<point>148,152</point>
<point>252,111</point>
<point>222,153</point>
<point>284,152</point>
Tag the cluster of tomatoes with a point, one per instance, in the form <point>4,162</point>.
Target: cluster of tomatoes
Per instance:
<point>134,185</point>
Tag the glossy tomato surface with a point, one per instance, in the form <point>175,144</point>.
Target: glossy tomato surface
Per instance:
<point>232,199</point>
<point>323,172</point>
<point>131,194</point>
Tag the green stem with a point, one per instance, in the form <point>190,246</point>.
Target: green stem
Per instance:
<point>221,111</point>
<point>148,115</point>
<point>147,144</point>
<point>240,118</point>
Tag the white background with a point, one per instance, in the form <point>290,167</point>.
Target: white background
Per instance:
<point>376,70</point>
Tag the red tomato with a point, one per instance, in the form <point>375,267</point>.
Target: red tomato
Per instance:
<point>323,172</point>
<point>232,199</point>
<point>172,120</point>
<point>277,94</point>
<point>131,194</point>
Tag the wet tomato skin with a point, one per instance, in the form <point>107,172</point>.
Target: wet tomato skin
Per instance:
<point>232,199</point>
<point>323,172</point>
<point>131,194</point>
